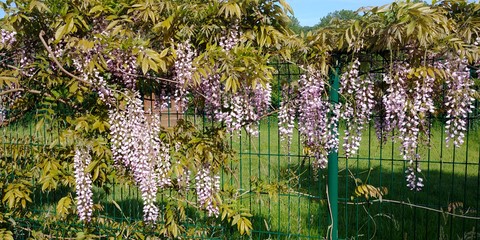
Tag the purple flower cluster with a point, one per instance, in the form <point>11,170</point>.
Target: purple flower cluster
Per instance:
<point>93,76</point>
<point>408,103</point>
<point>459,100</point>
<point>243,108</point>
<point>184,70</point>
<point>394,101</point>
<point>161,154</point>
<point>206,187</point>
<point>415,118</point>
<point>135,145</point>
<point>313,117</point>
<point>83,181</point>
<point>7,38</point>
<point>286,117</point>
<point>183,181</point>
<point>230,39</point>
<point>357,108</point>
<point>123,67</point>
<point>212,90</point>
<point>414,182</point>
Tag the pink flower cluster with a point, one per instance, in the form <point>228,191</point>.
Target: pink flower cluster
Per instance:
<point>313,117</point>
<point>212,89</point>
<point>136,146</point>
<point>206,186</point>
<point>357,108</point>
<point>123,67</point>
<point>83,181</point>
<point>459,100</point>
<point>230,39</point>
<point>414,182</point>
<point>7,38</point>
<point>243,108</point>
<point>94,77</point>
<point>286,117</point>
<point>184,70</point>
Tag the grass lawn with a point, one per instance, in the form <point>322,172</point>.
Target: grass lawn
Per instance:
<point>451,179</point>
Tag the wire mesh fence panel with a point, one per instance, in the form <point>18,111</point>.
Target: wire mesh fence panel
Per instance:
<point>286,196</point>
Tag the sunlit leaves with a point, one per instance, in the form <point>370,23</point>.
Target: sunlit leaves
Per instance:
<point>149,59</point>
<point>17,194</point>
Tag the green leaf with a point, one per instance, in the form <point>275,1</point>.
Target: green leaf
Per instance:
<point>63,205</point>
<point>97,8</point>
<point>39,124</point>
<point>145,66</point>
<point>60,32</point>
<point>73,87</point>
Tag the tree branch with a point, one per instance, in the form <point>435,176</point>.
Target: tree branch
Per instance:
<point>151,77</point>
<point>52,55</point>
<point>415,206</point>
<point>19,90</point>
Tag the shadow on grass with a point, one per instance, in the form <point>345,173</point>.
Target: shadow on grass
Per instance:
<point>403,214</point>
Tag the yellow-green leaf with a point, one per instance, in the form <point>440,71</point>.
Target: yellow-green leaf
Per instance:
<point>59,33</point>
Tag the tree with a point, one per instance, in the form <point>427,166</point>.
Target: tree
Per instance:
<point>341,15</point>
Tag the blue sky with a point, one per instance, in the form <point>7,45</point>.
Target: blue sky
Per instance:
<point>309,12</point>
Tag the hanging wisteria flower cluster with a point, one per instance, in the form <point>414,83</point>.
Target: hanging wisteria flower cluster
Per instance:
<point>405,110</point>
<point>357,108</point>
<point>136,147</point>
<point>123,66</point>
<point>407,106</point>
<point>286,116</point>
<point>459,100</point>
<point>7,38</point>
<point>212,88</point>
<point>240,109</point>
<point>83,181</point>
<point>206,186</point>
<point>243,108</point>
<point>94,77</point>
<point>317,117</point>
<point>230,39</point>
<point>313,116</point>
<point>184,70</point>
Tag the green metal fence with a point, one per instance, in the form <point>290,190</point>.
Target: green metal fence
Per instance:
<point>298,204</point>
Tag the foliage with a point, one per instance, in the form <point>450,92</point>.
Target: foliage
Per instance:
<point>82,66</point>
<point>341,15</point>
<point>86,66</point>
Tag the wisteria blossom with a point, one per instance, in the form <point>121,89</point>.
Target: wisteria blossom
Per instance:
<point>136,147</point>
<point>207,186</point>
<point>414,182</point>
<point>357,108</point>
<point>459,100</point>
<point>123,66</point>
<point>184,70</point>
<point>286,117</point>
<point>230,39</point>
<point>7,38</point>
<point>313,117</point>
<point>83,184</point>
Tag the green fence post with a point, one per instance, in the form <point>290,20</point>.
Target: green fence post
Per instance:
<point>333,161</point>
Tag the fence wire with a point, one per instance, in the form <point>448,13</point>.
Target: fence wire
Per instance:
<point>296,205</point>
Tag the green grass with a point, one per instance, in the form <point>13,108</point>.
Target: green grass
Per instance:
<point>451,178</point>
<point>451,175</point>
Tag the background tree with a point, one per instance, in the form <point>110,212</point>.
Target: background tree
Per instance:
<point>340,15</point>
